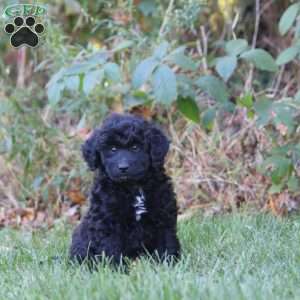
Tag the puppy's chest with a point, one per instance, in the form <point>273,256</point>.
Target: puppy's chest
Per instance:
<point>137,210</point>
<point>139,205</point>
<point>138,225</point>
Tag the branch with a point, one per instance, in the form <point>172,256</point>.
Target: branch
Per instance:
<point>166,18</point>
<point>254,41</point>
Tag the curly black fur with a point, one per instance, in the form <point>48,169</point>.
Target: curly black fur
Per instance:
<point>110,226</point>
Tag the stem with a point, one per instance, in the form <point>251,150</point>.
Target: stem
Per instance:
<point>166,18</point>
<point>254,41</point>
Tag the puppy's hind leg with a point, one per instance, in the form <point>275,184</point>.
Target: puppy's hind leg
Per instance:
<point>167,246</point>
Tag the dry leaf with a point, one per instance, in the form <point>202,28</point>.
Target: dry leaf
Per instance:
<point>282,204</point>
<point>142,111</point>
<point>76,197</point>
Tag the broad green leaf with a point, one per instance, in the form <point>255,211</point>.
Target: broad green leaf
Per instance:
<point>236,47</point>
<point>143,71</point>
<point>71,82</point>
<point>214,87</point>
<point>57,77</point>
<point>276,188</point>
<point>261,59</point>
<point>97,59</point>
<point>185,86</point>
<point>164,85</point>
<point>123,45</point>
<point>183,61</point>
<point>189,108</point>
<point>55,87</point>
<point>147,7</point>
<point>246,101</point>
<point>225,66</point>
<point>91,62</point>
<point>131,101</point>
<point>208,117</point>
<point>112,72</point>
<point>161,50</point>
<point>263,110</point>
<point>287,55</point>
<point>227,106</point>
<point>288,18</point>
<point>54,93</point>
<point>184,80</point>
<point>293,184</point>
<point>178,50</point>
<point>281,167</point>
<point>91,79</point>
<point>6,107</point>
<point>283,114</point>
<point>281,150</point>
<point>282,170</point>
<point>77,68</point>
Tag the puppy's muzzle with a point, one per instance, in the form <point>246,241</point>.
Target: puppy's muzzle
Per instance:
<point>123,167</point>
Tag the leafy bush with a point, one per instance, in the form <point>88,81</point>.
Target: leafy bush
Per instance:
<point>137,54</point>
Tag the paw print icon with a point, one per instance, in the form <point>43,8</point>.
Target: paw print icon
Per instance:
<point>24,31</point>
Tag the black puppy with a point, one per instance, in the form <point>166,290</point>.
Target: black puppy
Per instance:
<point>132,204</point>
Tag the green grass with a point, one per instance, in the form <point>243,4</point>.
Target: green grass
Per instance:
<point>231,257</point>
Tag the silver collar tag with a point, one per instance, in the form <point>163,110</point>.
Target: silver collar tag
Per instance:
<point>139,205</point>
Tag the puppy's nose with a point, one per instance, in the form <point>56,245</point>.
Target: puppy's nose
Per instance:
<point>123,166</point>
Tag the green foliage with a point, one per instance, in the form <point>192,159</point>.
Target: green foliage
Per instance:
<point>189,108</point>
<point>236,47</point>
<point>178,58</point>
<point>163,79</point>
<point>164,84</point>
<point>143,71</point>
<point>287,55</point>
<point>214,87</point>
<point>280,166</point>
<point>82,76</point>
<point>31,145</point>
<point>261,59</point>
<point>208,118</point>
<point>286,22</point>
<point>281,118</point>
<point>288,18</point>
<point>103,54</point>
<point>155,75</point>
<point>225,66</point>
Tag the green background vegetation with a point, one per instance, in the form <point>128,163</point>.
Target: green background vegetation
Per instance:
<point>220,77</point>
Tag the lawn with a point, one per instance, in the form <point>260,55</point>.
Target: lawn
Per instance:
<point>231,257</point>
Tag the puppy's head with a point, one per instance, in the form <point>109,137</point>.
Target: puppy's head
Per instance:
<point>126,148</point>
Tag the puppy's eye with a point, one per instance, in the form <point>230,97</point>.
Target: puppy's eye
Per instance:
<point>135,147</point>
<point>113,148</point>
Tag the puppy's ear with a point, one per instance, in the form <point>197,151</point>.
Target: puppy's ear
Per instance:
<point>158,145</point>
<point>90,150</point>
